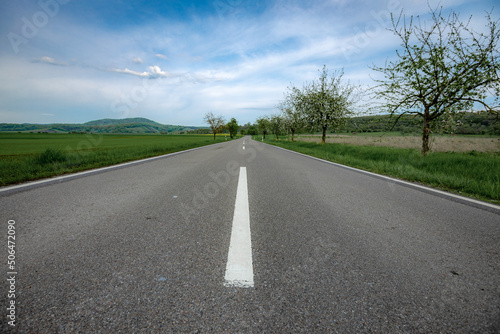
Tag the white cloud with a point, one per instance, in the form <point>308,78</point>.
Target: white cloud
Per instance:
<point>238,65</point>
<point>154,72</point>
<point>203,76</point>
<point>49,60</point>
<point>127,71</point>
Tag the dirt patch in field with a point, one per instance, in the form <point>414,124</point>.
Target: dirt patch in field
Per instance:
<point>438,143</point>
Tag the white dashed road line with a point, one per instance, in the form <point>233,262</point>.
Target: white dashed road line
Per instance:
<point>239,268</point>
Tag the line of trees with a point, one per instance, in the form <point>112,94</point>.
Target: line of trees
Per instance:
<point>442,69</point>
<point>466,123</point>
<point>321,105</point>
<point>293,123</point>
<point>218,124</point>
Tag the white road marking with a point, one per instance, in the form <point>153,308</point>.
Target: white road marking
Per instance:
<point>239,268</point>
<point>243,147</point>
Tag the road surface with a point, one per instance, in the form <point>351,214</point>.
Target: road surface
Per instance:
<point>144,248</point>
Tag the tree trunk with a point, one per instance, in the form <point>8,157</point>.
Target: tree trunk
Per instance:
<point>264,132</point>
<point>214,135</point>
<point>293,131</point>
<point>425,134</point>
<point>324,135</point>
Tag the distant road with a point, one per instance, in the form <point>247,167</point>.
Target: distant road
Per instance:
<point>144,248</point>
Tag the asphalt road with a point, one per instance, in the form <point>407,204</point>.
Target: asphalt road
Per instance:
<point>144,248</point>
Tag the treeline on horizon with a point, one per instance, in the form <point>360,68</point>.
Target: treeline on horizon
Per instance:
<point>467,123</point>
<point>127,128</point>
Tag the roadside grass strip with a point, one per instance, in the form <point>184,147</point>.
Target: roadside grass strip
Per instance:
<point>471,174</point>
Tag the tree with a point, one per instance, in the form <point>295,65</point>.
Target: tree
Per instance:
<point>216,123</point>
<point>441,68</point>
<point>293,117</point>
<point>276,124</point>
<point>252,131</point>
<point>233,127</point>
<point>244,128</point>
<point>263,124</point>
<point>327,102</point>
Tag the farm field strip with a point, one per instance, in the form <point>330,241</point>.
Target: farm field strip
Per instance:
<point>26,157</point>
<point>438,143</point>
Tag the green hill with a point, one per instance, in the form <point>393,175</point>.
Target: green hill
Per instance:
<point>137,125</point>
<point>112,121</point>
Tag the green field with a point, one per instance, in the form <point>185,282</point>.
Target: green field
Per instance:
<point>473,174</point>
<point>25,157</point>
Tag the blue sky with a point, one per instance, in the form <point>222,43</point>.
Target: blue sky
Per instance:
<point>73,61</point>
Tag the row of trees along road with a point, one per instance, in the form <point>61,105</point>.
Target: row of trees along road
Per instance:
<point>323,104</point>
<point>217,124</point>
<point>443,67</point>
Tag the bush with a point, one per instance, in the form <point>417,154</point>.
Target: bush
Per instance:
<point>50,156</point>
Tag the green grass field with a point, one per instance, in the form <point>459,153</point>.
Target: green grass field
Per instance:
<point>473,174</point>
<point>25,157</point>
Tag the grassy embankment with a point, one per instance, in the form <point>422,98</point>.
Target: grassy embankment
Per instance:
<point>469,173</point>
<point>25,157</point>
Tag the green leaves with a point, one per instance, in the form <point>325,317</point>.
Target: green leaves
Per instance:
<point>232,127</point>
<point>328,101</point>
<point>323,103</point>
<point>444,68</point>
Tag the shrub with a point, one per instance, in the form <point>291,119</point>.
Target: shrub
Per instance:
<point>50,156</point>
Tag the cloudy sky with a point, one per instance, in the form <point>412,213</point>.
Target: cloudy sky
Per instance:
<point>172,61</point>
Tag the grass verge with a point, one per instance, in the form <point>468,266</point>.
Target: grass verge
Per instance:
<point>26,157</point>
<point>472,174</point>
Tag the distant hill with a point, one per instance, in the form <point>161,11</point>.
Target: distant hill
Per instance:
<point>119,126</point>
<point>112,121</point>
